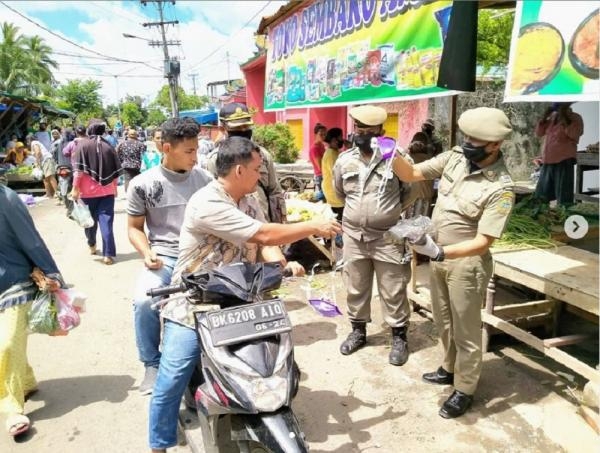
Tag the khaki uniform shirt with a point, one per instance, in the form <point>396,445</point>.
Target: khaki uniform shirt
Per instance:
<point>268,193</point>
<point>468,202</point>
<point>357,182</point>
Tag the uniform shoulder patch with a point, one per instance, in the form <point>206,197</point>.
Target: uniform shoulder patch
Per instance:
<point>505,203</point>
<point>506,180</point>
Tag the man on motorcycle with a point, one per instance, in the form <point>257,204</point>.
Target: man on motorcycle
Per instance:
<point>155,208</point>
<point>223,224</point>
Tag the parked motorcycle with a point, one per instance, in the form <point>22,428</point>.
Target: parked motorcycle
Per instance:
<point>248,374</point>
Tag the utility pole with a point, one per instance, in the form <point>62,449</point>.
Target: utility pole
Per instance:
<point>227,58</point>
<point>193,77</point>
<point>172,68</point>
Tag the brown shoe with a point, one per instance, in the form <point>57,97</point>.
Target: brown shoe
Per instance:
<point>93,249</point>
<point>108,260</point>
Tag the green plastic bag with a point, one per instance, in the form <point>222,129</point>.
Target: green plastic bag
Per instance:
<point>43,314</point>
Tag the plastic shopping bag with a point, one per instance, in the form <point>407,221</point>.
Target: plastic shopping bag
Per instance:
<point>81,214</point>
<point>69,304</point>
<point>43,314</point>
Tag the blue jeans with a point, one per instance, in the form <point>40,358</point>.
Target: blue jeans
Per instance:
<point>180,354</point>
<point>145,319</point>
<point>103,213</point>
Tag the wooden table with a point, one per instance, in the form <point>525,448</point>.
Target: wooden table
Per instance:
<point>565,275</point>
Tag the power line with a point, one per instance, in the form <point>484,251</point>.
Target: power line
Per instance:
<point>142,76</point>
<point>117,13</point>
<point>74,43</point>
<point>78,55</point>
<point>230,36</point>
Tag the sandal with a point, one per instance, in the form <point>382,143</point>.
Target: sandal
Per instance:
<point>108,260</point>
<point>17,424</point>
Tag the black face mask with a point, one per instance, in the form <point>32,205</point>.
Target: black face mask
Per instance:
<point>246,134</point>
<point>474,153</point>
<point>364,142</point>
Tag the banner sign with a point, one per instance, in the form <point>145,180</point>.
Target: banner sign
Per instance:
<point>554,52</point>
<point>340,52</point>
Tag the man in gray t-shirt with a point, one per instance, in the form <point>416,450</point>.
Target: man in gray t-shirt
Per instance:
<point>157,200</point>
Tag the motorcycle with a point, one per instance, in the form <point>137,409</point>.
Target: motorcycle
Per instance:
<point>247,373</point>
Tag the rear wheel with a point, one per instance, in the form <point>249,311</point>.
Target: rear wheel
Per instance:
<point>291,184</point>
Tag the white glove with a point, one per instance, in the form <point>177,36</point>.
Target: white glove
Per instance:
<point>429,248</point>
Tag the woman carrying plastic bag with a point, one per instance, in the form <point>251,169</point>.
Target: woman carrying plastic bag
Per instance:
<point>21,248</point>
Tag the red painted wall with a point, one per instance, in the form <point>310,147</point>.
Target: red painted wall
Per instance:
<point>328,116</point>
<point>255,92</point>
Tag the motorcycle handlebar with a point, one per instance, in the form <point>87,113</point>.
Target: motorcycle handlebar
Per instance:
<point>166,290</point>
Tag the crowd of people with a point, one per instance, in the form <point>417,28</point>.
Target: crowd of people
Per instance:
<point>194,204</point>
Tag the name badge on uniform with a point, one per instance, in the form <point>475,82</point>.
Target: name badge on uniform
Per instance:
<point>506,179</point>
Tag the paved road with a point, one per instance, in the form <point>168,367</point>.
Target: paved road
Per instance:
<point>88,399</point>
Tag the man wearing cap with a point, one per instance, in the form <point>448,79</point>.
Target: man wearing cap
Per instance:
<point>237,121</point>
<point>374,199</point>
<point>475,198</point>
<point>130,154</point>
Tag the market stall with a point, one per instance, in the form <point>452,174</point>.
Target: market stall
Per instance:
<point>565,275</point>
<point>17,114</point>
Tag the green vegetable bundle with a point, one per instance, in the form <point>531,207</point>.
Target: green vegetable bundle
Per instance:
<point>523,231</point>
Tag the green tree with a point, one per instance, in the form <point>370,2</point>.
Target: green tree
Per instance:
<point>185,101</point>
<point>131,114</point>
<point>25,63</point>
<point>278,140</point>
<point>155,117</point>
<point>494,31</point>
<point>81,97</point>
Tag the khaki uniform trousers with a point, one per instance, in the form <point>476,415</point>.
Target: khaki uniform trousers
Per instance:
<point>458,289</point>
<point>364,258</point>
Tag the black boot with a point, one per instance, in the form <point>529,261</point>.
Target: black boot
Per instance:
<point>399,351</point>
<point>356,340</point>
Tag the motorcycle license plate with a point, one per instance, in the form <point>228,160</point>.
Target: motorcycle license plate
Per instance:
<point>234,325</point>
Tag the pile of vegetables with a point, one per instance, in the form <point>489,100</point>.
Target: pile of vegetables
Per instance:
<point>531,224</point>
<point>20,170</point>
<point>523,231</point>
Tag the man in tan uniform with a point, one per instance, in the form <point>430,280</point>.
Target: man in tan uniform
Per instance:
<point>373,203</point>
<point>475,198</point>
<point>237,121</point>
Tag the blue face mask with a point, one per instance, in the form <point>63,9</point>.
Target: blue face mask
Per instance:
<point>474,153</point>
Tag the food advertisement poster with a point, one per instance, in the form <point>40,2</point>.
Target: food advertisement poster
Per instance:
<point>554,52</point>
<point>340,52</point>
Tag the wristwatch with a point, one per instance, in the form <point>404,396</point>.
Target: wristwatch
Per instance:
<point>441,256</point>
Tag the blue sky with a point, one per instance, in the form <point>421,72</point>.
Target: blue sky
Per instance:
<point>215,37</point>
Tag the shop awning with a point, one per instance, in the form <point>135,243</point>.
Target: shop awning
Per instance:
<point>201,116</point>
<point>17,103</point>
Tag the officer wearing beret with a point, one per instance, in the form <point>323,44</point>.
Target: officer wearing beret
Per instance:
<point>373,197</point>
<point>237,121</point>
<point>475,198</point>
